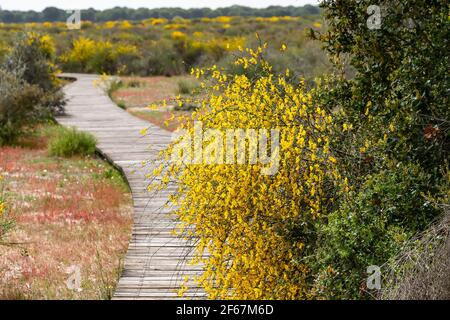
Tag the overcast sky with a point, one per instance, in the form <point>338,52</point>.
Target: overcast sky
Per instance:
<point>38,5</point>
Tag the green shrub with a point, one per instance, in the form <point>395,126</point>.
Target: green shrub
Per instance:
<point>401,75</point>
<point>29,91</point>
<point>135,83</point>
<point>187,86</point>
<point>391,135</point>
<point>113,84</point>
<point>121,104</point>
<point>33,55</point>
<point>20,106</point>
<point>160,59</point>
<point>370,227</point>
<point>70,142</point>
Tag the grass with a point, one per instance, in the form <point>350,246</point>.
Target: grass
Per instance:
<point>161,118</point>
<point>68,212</point>
<point>187,86</point>
<point>69,142</point>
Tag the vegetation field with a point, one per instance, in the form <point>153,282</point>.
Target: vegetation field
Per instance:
<point>71,217</point>
<point>159,46</point>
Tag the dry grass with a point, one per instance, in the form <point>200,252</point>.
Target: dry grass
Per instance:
<point>148,90</point>
<point>421,271</point>
<point>162,119</point>
<point>68,212</point>
<point>138,93</point>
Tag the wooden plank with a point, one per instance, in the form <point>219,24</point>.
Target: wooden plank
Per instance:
<point>157,260</point>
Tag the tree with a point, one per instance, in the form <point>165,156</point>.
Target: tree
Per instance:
<point>53,14</point>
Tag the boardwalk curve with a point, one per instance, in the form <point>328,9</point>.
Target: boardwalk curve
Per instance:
<point>155,264</point>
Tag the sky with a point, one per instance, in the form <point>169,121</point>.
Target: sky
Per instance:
<point>38,5</point>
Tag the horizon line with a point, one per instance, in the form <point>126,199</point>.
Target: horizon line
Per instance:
<point>160,8</point>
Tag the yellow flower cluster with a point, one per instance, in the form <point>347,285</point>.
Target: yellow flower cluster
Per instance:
<point>110,24</point>
<point>84,49</point>
<point>2,203</point>
<point>48,45</point>
<point>275,19</point>
<point>2,208</point>
<point>222,19</point>
<point>158,21</point>
<point>317,24</point>
<point>44,42</point>
<point>242,220</point>
<point>175,26</point>
<point>126,25</point>
<point>178,35</point>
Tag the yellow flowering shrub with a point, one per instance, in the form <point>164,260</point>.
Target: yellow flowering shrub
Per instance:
<point>251,229</point>
<point>175,26</point>
<point>317,24</point>
<point>222,19</point>
<point>48,45</point>
<point>126,25</point>
<point>83,49</point>
<point>98,56</point>
<point>110,24</point>
<point>178,35</point>
<point>158,21</point>
<point>45,43</point>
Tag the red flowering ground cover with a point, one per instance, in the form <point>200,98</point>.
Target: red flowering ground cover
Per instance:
<point>73,221</point>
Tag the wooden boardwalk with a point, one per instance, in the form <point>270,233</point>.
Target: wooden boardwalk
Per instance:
<point>156,261</point>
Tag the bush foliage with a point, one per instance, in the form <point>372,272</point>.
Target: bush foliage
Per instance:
<point>69,142</point>
<point>29,90</point>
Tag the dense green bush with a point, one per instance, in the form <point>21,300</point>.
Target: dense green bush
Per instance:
<point>391,137</point>
<point>160,59</point>
<point>370,227</point>
<point>34,54</point>
<point>186,86</point>
<point>20,106</point>
<point>70,142</point>
<point>401,79</point>
<point>29,90</point>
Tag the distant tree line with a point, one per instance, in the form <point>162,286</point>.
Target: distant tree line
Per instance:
<point>52,14</point>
